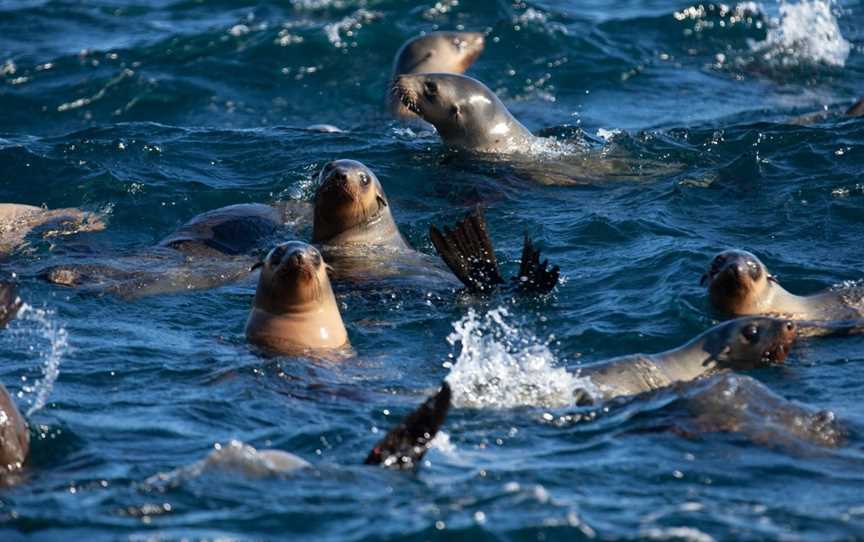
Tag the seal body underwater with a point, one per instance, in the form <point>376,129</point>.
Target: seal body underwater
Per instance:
<point>464,111</point>
<point>739,284</point>
<point>741,344</point>
<point>436,52</point>
<point>18,220</point>
<point>294,311</point>
<point>211,249</point>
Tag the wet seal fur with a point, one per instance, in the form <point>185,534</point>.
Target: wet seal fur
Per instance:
<point>739,284</point>
<point>436,52</point>
<point>211,249</point>
<point>14,432</point>
<point>464,111</point>
<point>18,220</point>
<point>294,311</point>
<point>741,344</point>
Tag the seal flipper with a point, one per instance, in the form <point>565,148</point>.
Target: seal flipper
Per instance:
<point>9,303</point>
<point>467,251</point>
<point>404,446</point>
<point>857,109</point>
<point>533,275</point>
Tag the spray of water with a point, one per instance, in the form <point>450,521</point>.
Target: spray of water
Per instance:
<point>500,366</point>
<point>47,329</point>
<point>806,32</point>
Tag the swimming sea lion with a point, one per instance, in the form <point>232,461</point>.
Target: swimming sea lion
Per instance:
<point>402,448</point>
<point>212,249</point>
<point>464,111</point>
<point>17,221</point>
<point>294,311</point>
<point>741,344</point>
<point>740,285</point>
<point>436,52</point>
<point>739,403</point>
<point>467,250</point>
<point>14,433</point>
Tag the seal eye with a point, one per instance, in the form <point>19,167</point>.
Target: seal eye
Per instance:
<point>751,333</point>
<point>754,270</point>
<point>430,88</point>
<point>276,255</point>
<point>364,179</point>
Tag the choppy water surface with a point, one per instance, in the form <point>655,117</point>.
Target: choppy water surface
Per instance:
<point>153,112</point>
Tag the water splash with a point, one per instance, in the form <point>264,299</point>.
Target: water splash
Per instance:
<point>36,395</point>
<point>501,366</point>
<point>806,32</point>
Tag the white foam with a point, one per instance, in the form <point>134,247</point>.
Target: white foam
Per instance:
<point>806,32</point>
<point>50,355</point>
<point>349,27</point>
<point>501,366</point>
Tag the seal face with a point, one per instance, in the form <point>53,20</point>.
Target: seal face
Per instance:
<point>350,207</point>
<point>748,343</point>
<point>463,110</point>
<point>294,309</point>
<point>444,52</point>
<point>737,281</point>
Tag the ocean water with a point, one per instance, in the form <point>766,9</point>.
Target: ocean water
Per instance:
<point>152,112</point>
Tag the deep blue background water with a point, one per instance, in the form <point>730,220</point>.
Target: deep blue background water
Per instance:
<point>156,111</point>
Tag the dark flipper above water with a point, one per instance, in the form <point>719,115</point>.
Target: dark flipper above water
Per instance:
<point>467,251</point>
<point>9,303</point>
<point>404,446</point>
<point>535,276</point>
<point>857,110</point>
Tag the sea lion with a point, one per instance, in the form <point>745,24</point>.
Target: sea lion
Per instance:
<point>17,221</point>
<point>354,229</point>
<point>294,311</point>
<point>740,404</point>
<point>14,433</point>
<point>742,344</point>
<point>468,252</point>
<point>402,448</point>
<point>211,249</point>
<point>739,284</point>
<point>436,52</point>
<point>351,208</point>
<point>464,111</point>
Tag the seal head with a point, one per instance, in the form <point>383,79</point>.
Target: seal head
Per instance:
<point>749,343</point>
<point>737,281</point>
<point>294,309</point>
<point>349,202</point>
<point>452,52</point>
<point>463,110</point>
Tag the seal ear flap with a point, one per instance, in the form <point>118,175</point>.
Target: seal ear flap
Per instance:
<point>382,201</point>
<point>704,279</point>
<point>256,265</point>
<point>772,278</point>
<point>455,110</point>
<point>405,445</point>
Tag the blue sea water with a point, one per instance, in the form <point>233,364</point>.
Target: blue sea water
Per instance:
<point>152,112</point>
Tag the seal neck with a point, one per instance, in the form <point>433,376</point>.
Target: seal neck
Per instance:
<point>687,362</point>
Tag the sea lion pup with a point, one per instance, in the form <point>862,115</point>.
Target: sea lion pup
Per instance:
<point>211,249</point>
<point>294,311</point>
<point>741,404</point>
<point>436,52</point>
<point>742,344</point>
<point>17,221</point>
<point>464,111</point>
<point>467,250</point>
<point>739,284</point>
<point>14,433</point>
<point>402,448</point>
